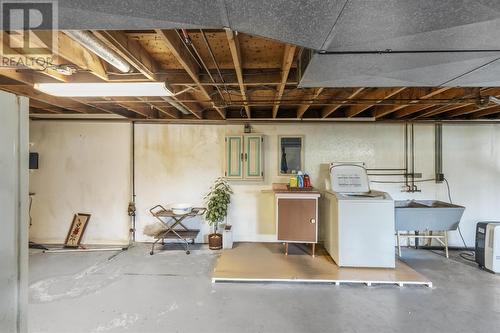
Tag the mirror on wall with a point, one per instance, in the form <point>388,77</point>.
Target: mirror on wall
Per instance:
<point>291,154</point>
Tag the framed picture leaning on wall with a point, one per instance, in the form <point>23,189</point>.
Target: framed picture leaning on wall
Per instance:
<point>77,229</point>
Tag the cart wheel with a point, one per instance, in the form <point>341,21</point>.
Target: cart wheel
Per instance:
<point>188,252</point>
<point>151,253</point>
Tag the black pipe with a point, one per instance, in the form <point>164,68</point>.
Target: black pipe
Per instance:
<point>438,153</point>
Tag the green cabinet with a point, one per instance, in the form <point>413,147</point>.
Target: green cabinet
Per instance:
<point>244,157</point>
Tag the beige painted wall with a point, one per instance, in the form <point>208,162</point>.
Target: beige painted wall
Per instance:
<point>177,163</point>
<point>84,168</point>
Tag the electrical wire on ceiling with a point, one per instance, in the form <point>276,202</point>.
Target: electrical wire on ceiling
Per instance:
<point>209,48</point>
<point>196,56</point>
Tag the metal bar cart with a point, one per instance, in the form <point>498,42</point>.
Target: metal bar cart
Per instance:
<point>175,228</point>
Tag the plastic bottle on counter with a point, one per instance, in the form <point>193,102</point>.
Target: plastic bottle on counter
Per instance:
<point>300,179</point>
<point>293,180</point>
<point>307,181</point>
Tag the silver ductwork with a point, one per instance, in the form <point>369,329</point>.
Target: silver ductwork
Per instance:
<point>96,46</point>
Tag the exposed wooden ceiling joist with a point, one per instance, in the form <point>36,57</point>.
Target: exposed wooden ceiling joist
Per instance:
<point>304,107</point>
<point>406,109</point>
<point>234,47</point>
<point>287,63</point>
<point>34,62</point>
<point>347,95</point>
<point>217,71</point>
<point>27,90</point>
<point>486,111</point>
<point>377,94</point>
<point>182,55</point>
<point>72,51</point>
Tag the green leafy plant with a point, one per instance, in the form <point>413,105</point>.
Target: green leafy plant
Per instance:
<point>217,202</point>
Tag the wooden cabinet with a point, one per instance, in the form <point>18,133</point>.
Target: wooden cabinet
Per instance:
<point>244,157</point>
<point>297,217</point>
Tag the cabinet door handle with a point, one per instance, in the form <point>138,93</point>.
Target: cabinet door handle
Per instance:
<point>313,221</point>
<point>246,157</point>
<point>242,157</point>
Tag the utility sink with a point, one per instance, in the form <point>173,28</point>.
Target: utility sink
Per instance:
<point>427,215</point>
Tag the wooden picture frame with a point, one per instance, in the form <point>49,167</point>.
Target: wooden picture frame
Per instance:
<point>77,229</point>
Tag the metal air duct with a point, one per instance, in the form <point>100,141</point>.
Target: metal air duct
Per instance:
<point>95,45</point>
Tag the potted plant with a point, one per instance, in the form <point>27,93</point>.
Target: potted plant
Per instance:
<point>217,201</point>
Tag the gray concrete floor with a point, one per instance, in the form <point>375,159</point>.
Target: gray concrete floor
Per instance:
<point>172,292</point>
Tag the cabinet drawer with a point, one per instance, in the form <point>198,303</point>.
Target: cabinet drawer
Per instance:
<point>297,220</point>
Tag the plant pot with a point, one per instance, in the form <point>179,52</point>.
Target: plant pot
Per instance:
<point>215,241</point>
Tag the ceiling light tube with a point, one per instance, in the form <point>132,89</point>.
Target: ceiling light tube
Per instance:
<point>135,89</point>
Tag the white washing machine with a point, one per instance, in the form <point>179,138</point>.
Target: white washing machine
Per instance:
<point>360,230</point>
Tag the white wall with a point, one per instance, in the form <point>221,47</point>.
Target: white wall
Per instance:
<point>177,163</point>
<point>471,162</point>
<point>85,167</point>
<point>13,210</point>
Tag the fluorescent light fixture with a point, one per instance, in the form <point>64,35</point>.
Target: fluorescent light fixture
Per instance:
<point>138,89</point>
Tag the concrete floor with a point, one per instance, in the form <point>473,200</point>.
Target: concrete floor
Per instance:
<point>172,292</point>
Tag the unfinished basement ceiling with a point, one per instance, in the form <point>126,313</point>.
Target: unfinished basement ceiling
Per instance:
<point>283,59</point>
<point>220,74</point>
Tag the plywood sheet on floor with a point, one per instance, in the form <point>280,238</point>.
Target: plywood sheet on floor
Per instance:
<point>266,262</point>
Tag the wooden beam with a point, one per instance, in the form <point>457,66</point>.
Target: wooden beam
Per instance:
<point>487,111</point>
<point>388,109</point>
<point>132,51</point>
<point>379,94</point>
<point>304,107</point>
<point>27,90</point>
<point>234,47</point>
<point>144,110</point>
<point>168,111</point>
<point>44,106</point>
<point>48,99</point>
<point>287,63</point>
<point>29,61</point>
<point>78,55</point>
<point>346,96</point>
<point>179,77</point>
<point>446,93</point>
<point>181,54</point>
